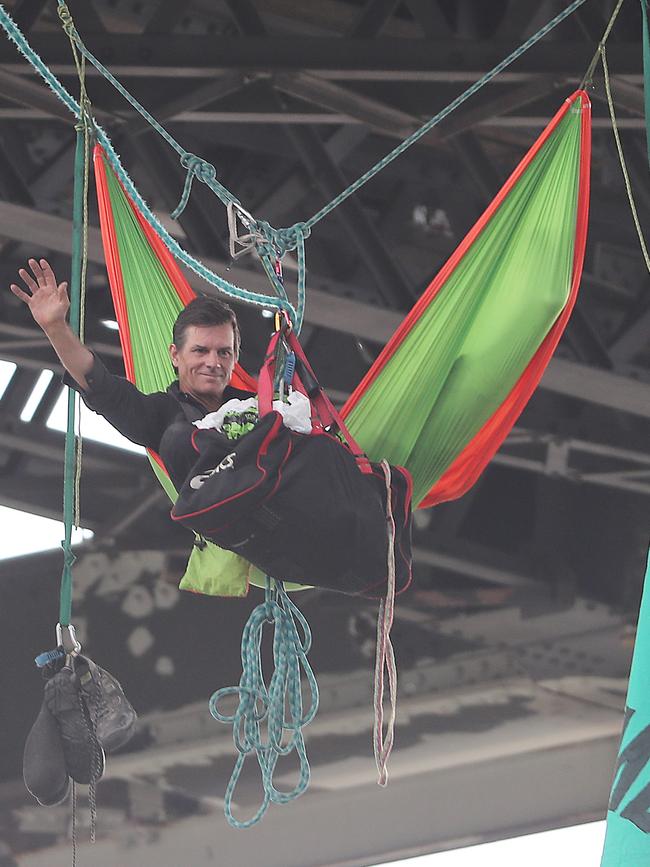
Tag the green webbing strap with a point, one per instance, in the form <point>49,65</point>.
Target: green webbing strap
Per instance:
<point>588,76</point>
<point>72,453</point>
<point>646,71</point>
<point>69,464</point>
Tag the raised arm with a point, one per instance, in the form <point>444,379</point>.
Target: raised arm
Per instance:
<point>48,303</point>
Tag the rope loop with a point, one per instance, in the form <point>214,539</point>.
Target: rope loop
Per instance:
<point>85,121</point>
<point>269,719</point>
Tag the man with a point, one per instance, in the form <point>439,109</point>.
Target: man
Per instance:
<point>204,350</point>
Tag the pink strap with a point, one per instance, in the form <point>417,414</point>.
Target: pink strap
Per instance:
<point>327,413</point>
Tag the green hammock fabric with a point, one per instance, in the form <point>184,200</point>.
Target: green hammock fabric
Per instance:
<point>499,297</point>
<point>148,293</point>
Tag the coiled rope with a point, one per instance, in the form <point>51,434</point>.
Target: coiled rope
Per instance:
<point>260,723</point>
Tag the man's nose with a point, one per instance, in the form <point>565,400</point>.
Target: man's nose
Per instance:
<point>213,360</point>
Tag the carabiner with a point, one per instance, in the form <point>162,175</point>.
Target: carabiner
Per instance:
<point>73,641</point>
<point>280,325</point>
<point>240,244</point>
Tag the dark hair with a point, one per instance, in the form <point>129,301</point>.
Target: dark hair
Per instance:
<point>205,311</point>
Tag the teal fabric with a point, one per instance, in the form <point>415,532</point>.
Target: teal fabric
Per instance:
<point>627,840</point>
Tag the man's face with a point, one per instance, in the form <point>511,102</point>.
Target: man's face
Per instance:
<point>205,362</point>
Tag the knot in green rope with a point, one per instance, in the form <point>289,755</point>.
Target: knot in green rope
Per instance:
<point>196,167</point>
<point>85,120</point>
<point>277,242</point>
<point>69,557</point>
<point>66,20</point>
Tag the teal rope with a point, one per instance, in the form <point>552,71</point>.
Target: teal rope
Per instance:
<point>70,450</point>
<point>255,298</point>
<point>207,173</point>
<point>429,125</point>
<point>259,704</point>
<point>195,165</point>
<point>279,240</point>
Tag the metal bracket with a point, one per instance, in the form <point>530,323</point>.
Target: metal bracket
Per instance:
<point>242,244</point>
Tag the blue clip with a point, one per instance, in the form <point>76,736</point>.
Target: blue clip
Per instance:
<point>48,656</point>
<point>289,367</point>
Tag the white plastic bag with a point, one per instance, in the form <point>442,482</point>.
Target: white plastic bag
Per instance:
<point>296,413</point>
<point>215,419</point>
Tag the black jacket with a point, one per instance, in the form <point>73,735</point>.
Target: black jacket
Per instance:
<point>161,421</point>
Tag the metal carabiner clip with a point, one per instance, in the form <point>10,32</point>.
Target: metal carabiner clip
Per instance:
<point>282,322</point>
<point>73,641</point>
<point>240,244</point>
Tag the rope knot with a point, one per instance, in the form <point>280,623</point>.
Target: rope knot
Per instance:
<point>199,167</point>
<point>196,167</point>
<point>66,19</point>
<point>69,557</point>
<point>280,241</point>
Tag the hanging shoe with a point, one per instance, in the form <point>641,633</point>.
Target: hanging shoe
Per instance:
<point>44,766</point>
<point>112,714</point>
<point>84,756</point>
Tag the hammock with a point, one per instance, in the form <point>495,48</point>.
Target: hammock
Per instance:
<point>451,382</point>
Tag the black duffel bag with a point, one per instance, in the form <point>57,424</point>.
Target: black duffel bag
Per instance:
<point>301,507</point>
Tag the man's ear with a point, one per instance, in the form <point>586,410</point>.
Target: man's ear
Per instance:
<point>173,352</point>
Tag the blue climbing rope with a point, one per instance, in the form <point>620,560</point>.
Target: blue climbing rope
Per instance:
<point>270,243</point>
<point>260,723</point>
<point>256,298</point>
<point>434,121</point>
<point>285,239</point>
